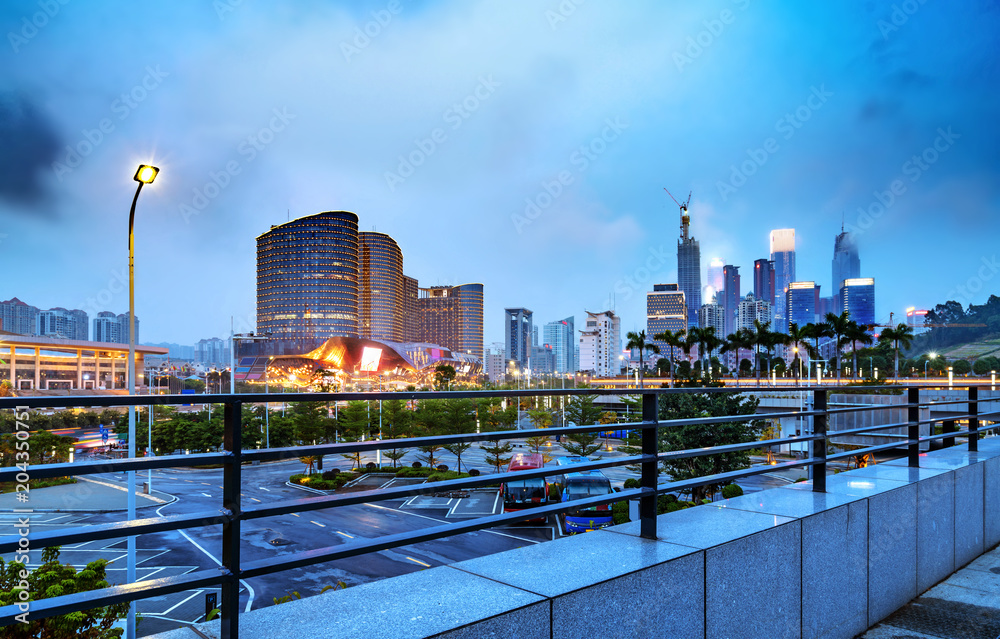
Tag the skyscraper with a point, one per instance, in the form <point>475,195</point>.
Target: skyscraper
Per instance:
<point>666,310</point>
<point>307,280</point>
<point>763,280</point>
<point>803,301</point>
<point>714,281</point>
<point>783,256</point>
<point>689,268</point>
<point>600,344</point>
<point>857,297</point>
<point>452,316</point>
<point>411,309</point>
<point>517,335</point>
<point>846,262</point>
<point>730,296</point>
<point>561,336</point>
<point>381,289</point>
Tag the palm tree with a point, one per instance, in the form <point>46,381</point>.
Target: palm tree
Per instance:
<point>638,340</point>
<point>711,342</point>
<point>741,339</point>
<point>673,339</point>
<point>761,337</point>
<point>839,324</point>
<point>775,339</point>
<point>856,334</point>
<point>816,331</point>
<point>797,338</point>
<point>902,334</point>
<point>696,336</point>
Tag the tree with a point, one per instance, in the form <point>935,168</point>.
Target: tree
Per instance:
<point>797,337</point>
<point>961,367</point>
<point>6,390</point>
<point>705,436</point>
<point>982,366</point>
<point>354,426</point>
<point>582,444</point>
<point>459,417</point>
<point>840,325</point>
<point>673,339</point>
<point>494,416</point>
<point>740,340</point>
<point>816,332</point>
<point>581,410</point>
<point>638,340</point>
<point>856,334</point>
<point>310,462</point>
<point>494,454</point>
<point>901,335</point>
<point>54,579</point>
<point>761,337</point>
<point>443,376</point>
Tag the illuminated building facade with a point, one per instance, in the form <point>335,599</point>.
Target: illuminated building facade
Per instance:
<point>803,302</point>
<point>452,316</point>
<point>308,280</point>
<point>411,309</point>
<point>517,335</point>
<point>857,297</point>
<point>382,290</point>
<point>783,257</point>
<point>915,319</point>
<point>731,296</point>
<point>666,310</point>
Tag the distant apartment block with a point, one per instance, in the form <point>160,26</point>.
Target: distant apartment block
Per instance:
<point>600,344</point>
<point>753,310</point>
<point>64,324</point>
<point>495,364</point>
<point>212,351</point>
<point>452,316</point>
<point>18,317</point>
<point>113,329</point>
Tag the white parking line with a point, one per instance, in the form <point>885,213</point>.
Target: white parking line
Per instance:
<point>264,489</point>
<point>180,603</point>
<point>345,534</point>
<point>317,523</point>
<point>206,494</point>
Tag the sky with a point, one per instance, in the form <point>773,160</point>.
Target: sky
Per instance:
<point>523,145</point>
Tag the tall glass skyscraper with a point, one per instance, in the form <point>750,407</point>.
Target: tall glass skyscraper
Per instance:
<point>308,280</point>
<point>783,257</point>
<point>561,337</point>
<point>803,302</point>
<point>731,296</point>
<point>381,288</point>
<point>517,335</point>
<point>857,297</point>
<point>763,281</point>
<point>689,269</point>
<point>846,262</point>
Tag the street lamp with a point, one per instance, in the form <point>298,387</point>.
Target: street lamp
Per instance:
<point>145,174</point>
<point>928,361</point>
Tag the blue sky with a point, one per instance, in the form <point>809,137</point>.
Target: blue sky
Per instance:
<point>773,114</point>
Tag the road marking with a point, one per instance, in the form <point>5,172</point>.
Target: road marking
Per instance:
<point>317,523</point>
<point>184,601</point>
<point>418,562</point>
<point>264,489</point>
<point>295,514</point>
<point>345,534</point>
<point>205,483</point>
<point>255,499</point>
<point>492,532</point>
<point>206,494</point>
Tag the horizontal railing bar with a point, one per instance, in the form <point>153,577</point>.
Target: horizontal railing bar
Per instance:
<point>732,448</point>
<point>869,449</point>
<point>113,530</point>
<point>114,466</point>
<point>864,429</point>
<point>347,499</point>
<point>42,608</point>
<point>386,542</point>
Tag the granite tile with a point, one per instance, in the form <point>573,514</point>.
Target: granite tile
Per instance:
<point>892,550</point>
<point>897,473</point>
<point>787,503</point>
<point>991,501</point>
<point>969,513</point>
<point>848,484</point>
<point>935,529</point>
<point>705,526</point>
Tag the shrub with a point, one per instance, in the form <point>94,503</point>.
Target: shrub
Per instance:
<point>474,472</point>
<point>444,475</point>
<point>416,464</point>
<point>331,474</point>
<point>731,490</point>
<point>619,512</point>
<point>631,483</point>
<point>443,468</point>
<point>370,465</point>
<point>413,472</point>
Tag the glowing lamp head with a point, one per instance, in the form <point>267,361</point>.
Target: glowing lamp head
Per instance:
<point>146,173</point>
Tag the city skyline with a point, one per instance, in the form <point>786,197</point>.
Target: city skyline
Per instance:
<point>887,129</point>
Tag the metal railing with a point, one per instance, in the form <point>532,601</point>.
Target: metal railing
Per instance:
<point>232,457</point>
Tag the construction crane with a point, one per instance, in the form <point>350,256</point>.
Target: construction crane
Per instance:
<point>685,218</point>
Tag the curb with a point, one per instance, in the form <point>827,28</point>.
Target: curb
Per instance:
<point>164,502</point>
<point>307,489</point>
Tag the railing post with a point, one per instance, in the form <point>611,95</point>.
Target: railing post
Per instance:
<point>231,480</point>
<point>913,429</point>
<point>647,504</point>
<point>819,445</point>
<point>948,427</point>
<point>974,418</point>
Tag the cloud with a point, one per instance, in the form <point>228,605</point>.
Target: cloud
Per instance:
<point>29,143</point>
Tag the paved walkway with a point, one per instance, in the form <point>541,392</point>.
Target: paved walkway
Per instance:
<point>964,606</point>
<point>87,495</point>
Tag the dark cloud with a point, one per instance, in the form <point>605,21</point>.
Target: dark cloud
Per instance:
<point>30,143</point>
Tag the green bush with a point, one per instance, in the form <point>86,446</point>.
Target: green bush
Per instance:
<point>631,483</point>
<point>408,471</point>
<point>445,475</point>
<point>619,512</point>
<point>731,490</point>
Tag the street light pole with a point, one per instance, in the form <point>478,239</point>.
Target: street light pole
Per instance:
<point>144,175</point>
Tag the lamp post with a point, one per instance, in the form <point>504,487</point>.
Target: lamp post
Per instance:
<point>951,376</point>
<point>145,174</point>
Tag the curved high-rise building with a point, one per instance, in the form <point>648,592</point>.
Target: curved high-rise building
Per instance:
<point>381,308</point>
<point>846,262</point>
<point>308,278</point>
